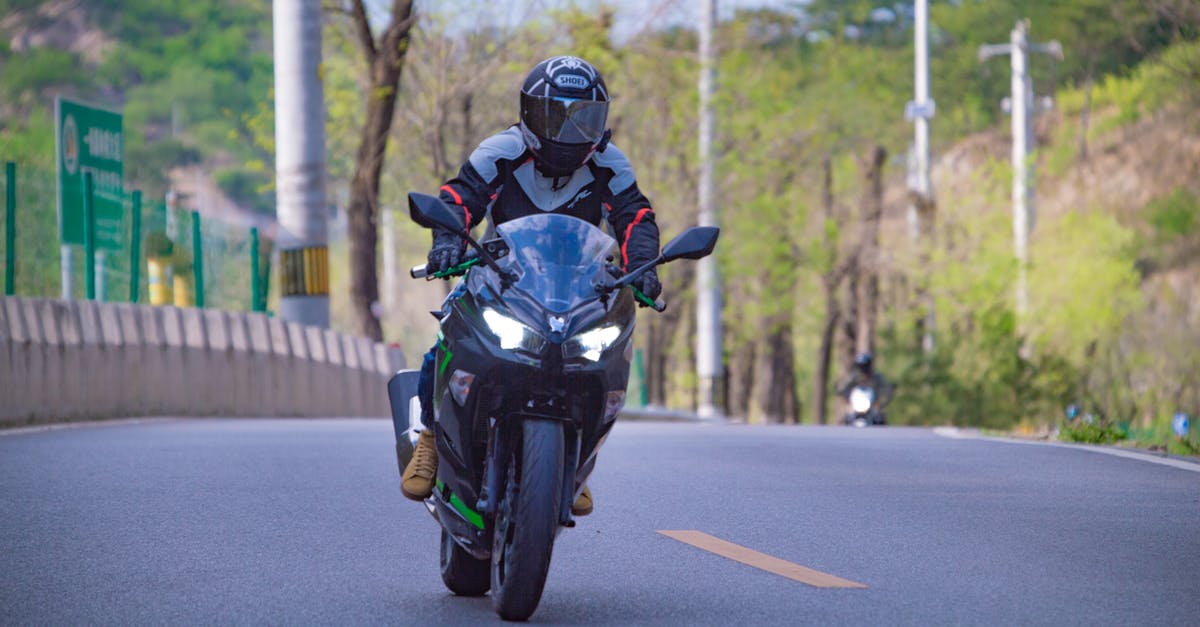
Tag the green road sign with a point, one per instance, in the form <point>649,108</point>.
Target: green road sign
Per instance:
<point>89,140</point>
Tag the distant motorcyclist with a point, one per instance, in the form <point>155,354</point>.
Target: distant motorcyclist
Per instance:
<point>863,374</point>
<point>557,159</point>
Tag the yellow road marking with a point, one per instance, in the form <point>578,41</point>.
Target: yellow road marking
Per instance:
<point>762,561</point>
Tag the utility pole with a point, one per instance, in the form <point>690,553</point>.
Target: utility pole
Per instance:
<point>709,366</point>
<point>300,163</point>
<point>921,110</point>
<point>1023,107</point>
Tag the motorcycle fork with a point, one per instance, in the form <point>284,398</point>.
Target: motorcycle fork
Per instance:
<point>570,466</point>
<point>496,458</point>
<point>499,441</point>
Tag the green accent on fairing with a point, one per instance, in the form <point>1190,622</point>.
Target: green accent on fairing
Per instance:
<point>641,298</point>
<point>467,305</point>
<point>471,515</point>
<point>459,269</point>
<point>447,356</point>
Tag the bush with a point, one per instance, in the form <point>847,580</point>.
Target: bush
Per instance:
<point>1174,216</point>
<point>1088,430</point>
<point>157,244</point>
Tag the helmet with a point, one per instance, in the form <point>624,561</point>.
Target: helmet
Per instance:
<point>564,110</point>
<point>862,361</point>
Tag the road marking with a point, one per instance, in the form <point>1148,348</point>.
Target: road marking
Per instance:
<point>955,433</point>
<point>762,561</point>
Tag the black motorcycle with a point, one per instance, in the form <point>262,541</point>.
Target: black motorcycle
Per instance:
<point>531,370</point>
<point>864,408</point>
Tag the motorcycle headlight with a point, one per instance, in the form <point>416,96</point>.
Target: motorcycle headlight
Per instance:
<point>861,400</point>
<point>592,343</point>
<point>512,334</point>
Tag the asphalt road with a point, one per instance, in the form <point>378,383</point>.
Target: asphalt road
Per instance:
<point>301,522</point>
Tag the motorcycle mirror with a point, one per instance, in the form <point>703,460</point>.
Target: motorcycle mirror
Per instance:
<point>430,211</point>
<point>693,243</point>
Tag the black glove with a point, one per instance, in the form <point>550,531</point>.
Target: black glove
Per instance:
<point>648,284</point>
<point>447,252</point>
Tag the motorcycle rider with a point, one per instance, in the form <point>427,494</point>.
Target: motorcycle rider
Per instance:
<point>863,374</point>
<point>557,159</point>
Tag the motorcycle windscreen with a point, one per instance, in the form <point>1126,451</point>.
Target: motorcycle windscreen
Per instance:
<point>555,257</point>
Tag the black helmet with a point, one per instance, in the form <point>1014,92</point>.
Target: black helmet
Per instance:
<point>564,110</point>
<point>862,361</point>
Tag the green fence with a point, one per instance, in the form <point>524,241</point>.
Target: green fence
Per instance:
<point>227,274</point>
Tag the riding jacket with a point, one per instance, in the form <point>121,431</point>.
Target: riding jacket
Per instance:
<point>500,182</point>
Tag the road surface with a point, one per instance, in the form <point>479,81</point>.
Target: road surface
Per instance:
<point>301,522</point>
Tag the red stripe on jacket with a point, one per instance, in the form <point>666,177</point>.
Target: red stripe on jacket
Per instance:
<point>629,231</point>
<point>459,201</point>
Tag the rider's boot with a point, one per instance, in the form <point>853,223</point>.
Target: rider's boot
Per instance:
<point>583,503</point>
<point>417,481</point>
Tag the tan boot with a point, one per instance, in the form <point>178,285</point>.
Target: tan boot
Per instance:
<point>417,481</point>
<point>583,503</point>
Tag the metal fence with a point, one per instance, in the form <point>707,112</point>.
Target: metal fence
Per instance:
<point>167,255</point>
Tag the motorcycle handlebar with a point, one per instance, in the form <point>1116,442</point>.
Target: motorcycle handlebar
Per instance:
<point>422,272</point>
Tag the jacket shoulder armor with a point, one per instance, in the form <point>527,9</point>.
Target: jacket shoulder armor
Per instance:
<point>614,160</point>
<point>506,145</point>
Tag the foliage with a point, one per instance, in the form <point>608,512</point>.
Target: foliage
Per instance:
<point>1083,284</point>
<point>157,244</point>
<point>248,189</point>
<point>28,74</point>
<point>1174,216</point>
<point>1092,430</point>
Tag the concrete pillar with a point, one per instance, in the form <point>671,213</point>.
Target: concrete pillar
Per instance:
<point>113,358</point>
<point>335,381</point>
<point>176,381</point>
<point>157,389</point>
<point>242,364</point>
<point>302,388</point>
<point>283,384</point>
<point>219,382</point>
<point>133,385</point>
<point>198,366</point>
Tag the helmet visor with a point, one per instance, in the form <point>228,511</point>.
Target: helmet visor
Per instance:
<point>565,120</point>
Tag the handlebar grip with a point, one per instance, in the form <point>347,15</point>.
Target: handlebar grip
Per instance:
<point>419,272</point>
<point>658,305</point>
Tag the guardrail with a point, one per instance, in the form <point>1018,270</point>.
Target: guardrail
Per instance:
<point>80,360</point>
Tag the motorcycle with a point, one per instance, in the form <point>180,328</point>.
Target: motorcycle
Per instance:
<point>863,410</point>
<point>532,364</point>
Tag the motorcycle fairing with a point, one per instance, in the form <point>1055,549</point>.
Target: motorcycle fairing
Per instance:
<point>511,384</point>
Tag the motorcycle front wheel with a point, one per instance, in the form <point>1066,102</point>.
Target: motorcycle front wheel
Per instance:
<point>463,575</point>
<point>528,519</point>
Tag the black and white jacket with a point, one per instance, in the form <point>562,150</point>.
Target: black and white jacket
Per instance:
<point>499,182</point>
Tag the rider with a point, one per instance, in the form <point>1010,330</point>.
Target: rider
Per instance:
<point>558,159</point>
<point>864,374</point>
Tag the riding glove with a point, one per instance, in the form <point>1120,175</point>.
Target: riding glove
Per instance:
<point>447,251</point>
<point>648,284</point>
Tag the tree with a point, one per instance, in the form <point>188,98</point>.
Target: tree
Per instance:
<point>385,55</point>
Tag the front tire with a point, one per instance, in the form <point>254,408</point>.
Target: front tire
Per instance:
<point>528,520</point>
<point>463,575</point>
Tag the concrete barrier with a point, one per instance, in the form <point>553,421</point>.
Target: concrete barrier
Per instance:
<point>72,360</point>
<point>156,394</point>
<point>302,374</point>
